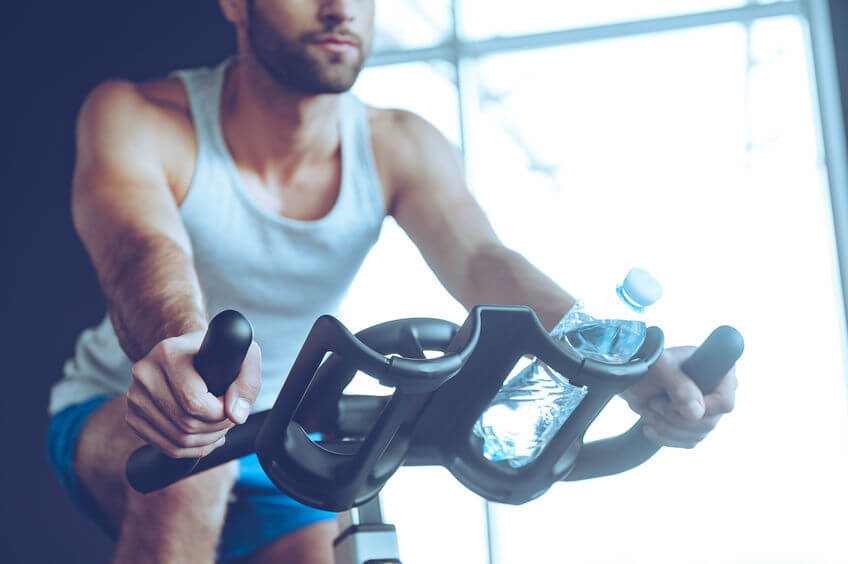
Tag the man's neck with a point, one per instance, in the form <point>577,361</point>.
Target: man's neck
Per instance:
<point>274,130</point>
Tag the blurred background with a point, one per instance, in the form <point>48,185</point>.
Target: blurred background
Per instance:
<point>702,140</point>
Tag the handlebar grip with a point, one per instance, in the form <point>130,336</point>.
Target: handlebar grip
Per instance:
<point>218,362</point>
<point>706,367</point>
<point>714,358</point>
<point>223,350</point>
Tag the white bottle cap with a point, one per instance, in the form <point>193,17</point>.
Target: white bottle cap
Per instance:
<point>641,287</point>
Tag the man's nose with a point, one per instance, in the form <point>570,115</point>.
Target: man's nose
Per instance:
<point>335,12</point>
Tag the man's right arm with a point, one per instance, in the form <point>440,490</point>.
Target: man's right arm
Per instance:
<point>127,217</point>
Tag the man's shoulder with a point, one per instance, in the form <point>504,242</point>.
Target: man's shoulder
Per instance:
<point>407,149</point>
<point>402,137</point>
<point>393,122</point>
<point>147,122</point>
<point>155,103</point>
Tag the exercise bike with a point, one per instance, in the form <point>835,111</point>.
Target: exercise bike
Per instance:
<point>428,420</point>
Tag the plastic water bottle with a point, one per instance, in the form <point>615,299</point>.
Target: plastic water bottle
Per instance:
<point>533,405</point>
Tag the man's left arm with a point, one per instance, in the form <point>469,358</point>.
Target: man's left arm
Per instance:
<point>433,205</point>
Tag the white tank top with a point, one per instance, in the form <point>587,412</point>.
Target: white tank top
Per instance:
<point>282,273</point>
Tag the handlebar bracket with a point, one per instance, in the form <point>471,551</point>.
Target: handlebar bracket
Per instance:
<point>430,416</point>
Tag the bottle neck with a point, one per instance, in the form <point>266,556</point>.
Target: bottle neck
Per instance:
<point>628,301</point>
<point>620,306</point>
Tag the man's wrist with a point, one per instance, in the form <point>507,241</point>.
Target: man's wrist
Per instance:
<point>551,318</point>
<point>152,327</point>
<point>502,276</point>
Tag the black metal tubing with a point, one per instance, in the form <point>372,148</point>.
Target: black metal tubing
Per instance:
<point>218,362</point>
<point>350,474</point>
<point>429,418</point>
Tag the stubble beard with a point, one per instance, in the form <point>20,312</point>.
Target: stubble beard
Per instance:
<point>288,63</point>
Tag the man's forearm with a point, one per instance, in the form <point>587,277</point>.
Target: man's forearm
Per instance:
<point>498,275</point>
<point>152,292</point>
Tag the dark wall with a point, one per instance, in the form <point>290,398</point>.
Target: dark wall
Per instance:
<point>52,54</point>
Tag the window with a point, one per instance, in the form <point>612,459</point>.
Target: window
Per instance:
<point>678,136</point>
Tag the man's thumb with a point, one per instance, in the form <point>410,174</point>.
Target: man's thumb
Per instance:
<point>687,399</point>
<point>243,391</point>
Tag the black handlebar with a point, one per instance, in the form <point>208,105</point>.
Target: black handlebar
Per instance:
<point>218,361</point>
<point>223,350</point>
<point>428,419</point>
<point>706,367</point>
<point>714,358</point>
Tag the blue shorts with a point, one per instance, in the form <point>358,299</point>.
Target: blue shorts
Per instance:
<point>259,515</point>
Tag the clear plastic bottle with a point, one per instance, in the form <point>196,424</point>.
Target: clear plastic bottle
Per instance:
<point>532,406</point>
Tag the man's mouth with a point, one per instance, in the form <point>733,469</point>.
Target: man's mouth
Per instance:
<point>335,43</point>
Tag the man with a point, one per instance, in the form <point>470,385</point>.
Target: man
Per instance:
<point>261,185</point>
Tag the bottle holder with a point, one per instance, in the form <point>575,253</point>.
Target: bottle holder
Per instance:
<point>340,474</point>
<point>429,418</point>
<point>434,406</point>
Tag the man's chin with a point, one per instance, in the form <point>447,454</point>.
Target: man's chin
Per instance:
<point>322,84</point>
<point>317,74</point>
<point>335,78</point>
<point>333,87</point>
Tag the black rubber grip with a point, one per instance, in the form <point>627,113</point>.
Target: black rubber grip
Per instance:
<point>714,358</point>
<point>223,350</point>
<point>706,367</point>
<point>218,362</point>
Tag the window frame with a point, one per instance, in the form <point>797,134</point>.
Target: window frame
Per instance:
<point>813,14</point>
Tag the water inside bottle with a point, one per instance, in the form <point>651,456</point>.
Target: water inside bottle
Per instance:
<point>608,340</point>
<point>526,413</point>
<point>533,405</point>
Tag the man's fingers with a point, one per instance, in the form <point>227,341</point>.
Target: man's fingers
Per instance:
<point>149,376</point>
<point>662,439</point>
<point>200,432</point>
<point>718,405</point>
<point>661,432</point>
<point>242,393</point>
<point>722,399</point>
<point>191,392</point>
<point>146,431</point>
<point>652,384</point>
<point>673,419</point>
<point>659,404</point>
<point>674,411</point>
<point>686,397</point>
<point>638,394</point>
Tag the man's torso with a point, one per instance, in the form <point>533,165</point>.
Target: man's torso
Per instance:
<point>165,101</point>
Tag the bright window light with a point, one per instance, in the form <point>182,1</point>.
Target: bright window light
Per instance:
<point>491,18</point>
<point>410,23</point>
<point>693,154</point>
